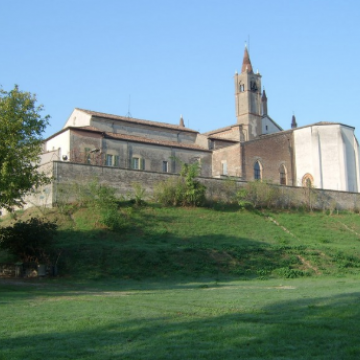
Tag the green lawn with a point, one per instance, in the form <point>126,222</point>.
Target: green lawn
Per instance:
<point>194,283</point>
<point>309,318</point>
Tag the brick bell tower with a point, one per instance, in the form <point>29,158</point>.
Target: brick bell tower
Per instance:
<point>248,106</point>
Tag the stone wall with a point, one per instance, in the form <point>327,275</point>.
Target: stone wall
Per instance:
<point>226,161</point>
<point>153,155</point>
<point>69,175</point>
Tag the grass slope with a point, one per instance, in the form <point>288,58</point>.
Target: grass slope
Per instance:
<point>167,242</point>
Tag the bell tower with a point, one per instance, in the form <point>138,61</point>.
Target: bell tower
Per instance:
<point>248,106</point>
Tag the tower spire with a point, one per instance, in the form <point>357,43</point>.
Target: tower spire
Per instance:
<point>264,103</point>
<point>246,65</point>
<point>293,122</point>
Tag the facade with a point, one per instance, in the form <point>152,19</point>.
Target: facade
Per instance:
<point>325,155</point>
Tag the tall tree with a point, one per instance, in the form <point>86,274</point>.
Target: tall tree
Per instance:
<point>21,127</point>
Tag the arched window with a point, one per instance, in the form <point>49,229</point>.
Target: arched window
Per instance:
<point>257,171</point>
<point>283,175</point>
<point>307,180</point>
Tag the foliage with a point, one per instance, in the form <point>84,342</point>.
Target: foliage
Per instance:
<point>114,219</point>
<point>241,196</point>
<point>285,198</point>
<point>21,127</point>
<point>185,191</point>
<point>170,192</point>
<point>259,194</point>
<point>195,191</point>
<point>230,189</point>
<point>101,196</point>
<point>288,273</point>
<point>139,194</point>
<point>30,241</point>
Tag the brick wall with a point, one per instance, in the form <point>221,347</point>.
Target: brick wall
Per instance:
<point>272,151</point>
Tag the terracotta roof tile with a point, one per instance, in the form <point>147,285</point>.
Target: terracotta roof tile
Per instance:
<point>93,128</point>
<point>209,133</point>
<point>153,141</point>
<point>137,121</point>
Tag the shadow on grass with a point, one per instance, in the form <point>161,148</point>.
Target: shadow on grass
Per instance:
<point>321,328</point>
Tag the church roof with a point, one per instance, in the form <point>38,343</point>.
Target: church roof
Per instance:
<point>246,65</point>
<point>139,139</point>
<point>153,141</point>
<point>322,123</point>
<point>136,121</point>
<point>209,133</point>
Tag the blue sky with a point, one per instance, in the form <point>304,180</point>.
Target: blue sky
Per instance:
<point>168,58</point>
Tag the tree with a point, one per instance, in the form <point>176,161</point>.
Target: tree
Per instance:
<point>195,191</point>
<point>31,241</point>
<point>21,127</point>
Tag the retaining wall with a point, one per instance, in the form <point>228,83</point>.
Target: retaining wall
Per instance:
<point>68,176</point>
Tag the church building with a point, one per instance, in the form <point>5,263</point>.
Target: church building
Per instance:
<point>324,154</point>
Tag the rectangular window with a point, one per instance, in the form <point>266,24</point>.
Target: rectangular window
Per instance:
<point>109,160</point>
<point>117,160</point>
<point>135,163</point>
<point>165,166</point>
<point>138,163</point>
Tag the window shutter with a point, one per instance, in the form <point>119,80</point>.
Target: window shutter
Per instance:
<point>142,164</point>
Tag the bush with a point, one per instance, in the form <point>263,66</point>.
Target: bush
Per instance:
<point>114,220</point>
<point>259,194</point>
<point>242,199</point>
<point>170,192</point>
<point>139,194</point>
<point>185,191</point>
<point>289,273</point>
<point>31,241</point>
<point>195,191</point>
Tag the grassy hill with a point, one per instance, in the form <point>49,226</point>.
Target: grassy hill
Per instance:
<point>201,293</point>
<point>153,241</point>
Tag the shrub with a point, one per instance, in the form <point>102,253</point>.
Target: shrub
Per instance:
<point>289,273</point>
<point>186,190</point>
<point>241,197</point>
<point>170,192</point>
<point>195,191</point>
<point>101,196</point>
<point>258,194</point>
<point>139,194</point>
<point>30,241</point>
<point>114,220</point>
